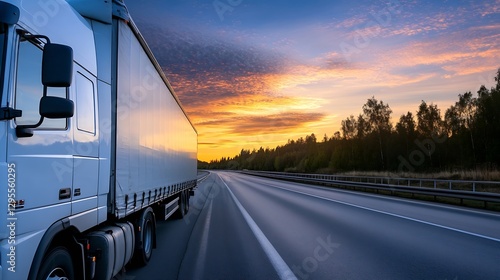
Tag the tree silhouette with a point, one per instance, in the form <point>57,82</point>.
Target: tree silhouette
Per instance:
<point>378,115</point>
<point>349,127</point>
<point>469,133</point>
<point>406,130</point>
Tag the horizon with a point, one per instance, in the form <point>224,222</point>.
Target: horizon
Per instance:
<point>258,74</point>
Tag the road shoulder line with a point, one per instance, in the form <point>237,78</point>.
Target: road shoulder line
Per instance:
<point>284,272</point>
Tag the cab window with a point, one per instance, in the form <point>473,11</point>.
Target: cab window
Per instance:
<point>29,88</point>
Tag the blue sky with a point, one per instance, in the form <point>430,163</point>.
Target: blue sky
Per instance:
<point>257,73</point>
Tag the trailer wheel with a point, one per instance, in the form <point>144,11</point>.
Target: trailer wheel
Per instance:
<point>144,238</point>
<point>181,212</point>
<point>186,205</point>
<point>58,265</point>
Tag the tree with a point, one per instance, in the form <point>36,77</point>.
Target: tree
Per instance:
<point>429,120</point>
<point>362,128</point>
<point>466,109</point>
<point>336,135</point>
<point>487,121</point>
<point>406,125</point>
<point>405,128</point>
<point>311,139</point>
<point>378,115</point>
<point>466,106</point>
<point>429,124</point>
<point>497,79</point>
<point>452,121</point>
<point>349,127</point>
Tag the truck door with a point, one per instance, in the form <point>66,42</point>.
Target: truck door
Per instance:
<point>86,146</point>
<point>43,162</point>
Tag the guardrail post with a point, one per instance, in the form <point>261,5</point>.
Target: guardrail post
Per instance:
<point>449,184</point>
<point>434,183</point>
<point>474,186</point>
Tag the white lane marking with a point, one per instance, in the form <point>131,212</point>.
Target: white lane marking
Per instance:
<point>284,272</point>
<point>392,214</point>
<point>200,262</point>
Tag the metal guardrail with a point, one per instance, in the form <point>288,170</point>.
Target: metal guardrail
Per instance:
<point>428,187</point>
<point>459,185</point>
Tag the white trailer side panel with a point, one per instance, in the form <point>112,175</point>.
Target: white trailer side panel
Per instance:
<point>156,144</point>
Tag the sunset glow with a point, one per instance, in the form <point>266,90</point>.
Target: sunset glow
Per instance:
<point>262,72</point>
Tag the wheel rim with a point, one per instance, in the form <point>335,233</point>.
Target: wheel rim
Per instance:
<point>147,239</point>
<point>57,274</point>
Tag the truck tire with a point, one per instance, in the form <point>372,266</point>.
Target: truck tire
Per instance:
<point>145,232</point>
<point>181,212</point>
<point>57,265</point>
<point>186,206</point>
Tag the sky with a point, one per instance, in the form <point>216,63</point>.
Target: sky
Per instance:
<point>254,73</point>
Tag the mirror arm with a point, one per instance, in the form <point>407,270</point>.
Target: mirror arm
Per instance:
<point>27,130</point>
<point>28,36</point>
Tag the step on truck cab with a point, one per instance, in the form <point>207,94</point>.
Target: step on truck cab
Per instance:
<point>95,147</point>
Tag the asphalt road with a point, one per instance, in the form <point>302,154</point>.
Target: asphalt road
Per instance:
<point>245,227</point>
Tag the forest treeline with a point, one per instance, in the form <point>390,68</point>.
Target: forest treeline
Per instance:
<point>464,136</point>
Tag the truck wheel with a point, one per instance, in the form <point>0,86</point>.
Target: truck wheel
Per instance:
<point>58,265</point>
<point>186,204</point>
<point>181,212</point>
<point>144,238</point>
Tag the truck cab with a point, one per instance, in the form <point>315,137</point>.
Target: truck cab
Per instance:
<point>49,129</point>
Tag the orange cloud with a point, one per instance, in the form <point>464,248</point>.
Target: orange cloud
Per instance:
<point>245,99</point>
<point>245,111</point>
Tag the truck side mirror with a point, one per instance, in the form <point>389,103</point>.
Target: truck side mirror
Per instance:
<point>9,14</point>
<point>52,107</point>
<point>57,65</point>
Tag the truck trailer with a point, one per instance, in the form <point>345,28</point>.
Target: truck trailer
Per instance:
<point>95,146</point>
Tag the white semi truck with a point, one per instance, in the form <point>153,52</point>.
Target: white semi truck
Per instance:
<point>94,144</point>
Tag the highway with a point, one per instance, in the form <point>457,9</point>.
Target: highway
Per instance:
<point>246,227</point>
